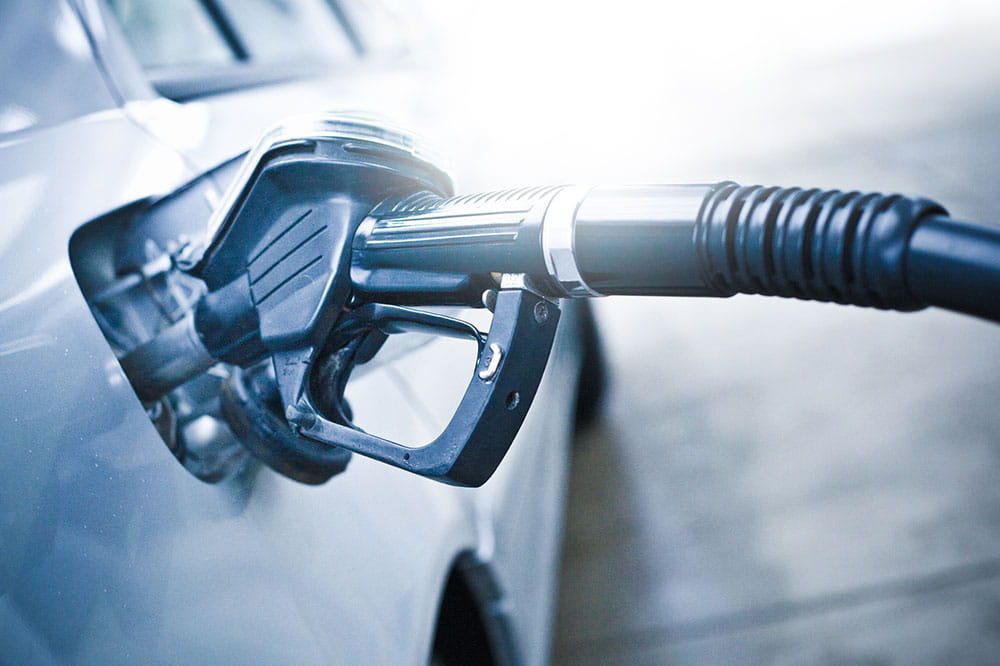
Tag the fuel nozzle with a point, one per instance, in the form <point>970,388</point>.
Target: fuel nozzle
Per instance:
<point>275,265</point>
<point>277,276</point>
<point>339,226</point>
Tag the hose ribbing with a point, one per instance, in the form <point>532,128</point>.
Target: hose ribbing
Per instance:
<point>824,245</point>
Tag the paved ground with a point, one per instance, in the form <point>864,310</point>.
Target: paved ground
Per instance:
<point>779,482</point>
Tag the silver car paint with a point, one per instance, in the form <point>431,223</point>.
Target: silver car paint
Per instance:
<point>111,551</point>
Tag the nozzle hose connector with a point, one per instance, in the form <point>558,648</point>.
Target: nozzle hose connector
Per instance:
<point>873,250</point>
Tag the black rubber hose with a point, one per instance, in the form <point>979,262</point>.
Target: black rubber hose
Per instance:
<point>956,265</point>
<point>891,252</point>
<point>844,247</point>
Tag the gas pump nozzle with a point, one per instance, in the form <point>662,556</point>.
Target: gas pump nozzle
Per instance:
<point>339,226</point>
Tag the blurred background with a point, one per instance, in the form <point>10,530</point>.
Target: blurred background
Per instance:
<point>771,481</point>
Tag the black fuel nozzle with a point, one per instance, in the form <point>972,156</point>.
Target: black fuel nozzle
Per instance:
<point>276,263</point>
<point>278,286</point>
<point>338,226</point>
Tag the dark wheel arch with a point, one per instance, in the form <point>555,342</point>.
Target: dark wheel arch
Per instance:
<point>593,381</point>
<point>472,626</point>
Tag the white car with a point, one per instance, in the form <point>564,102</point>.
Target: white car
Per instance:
<point>149,533</point>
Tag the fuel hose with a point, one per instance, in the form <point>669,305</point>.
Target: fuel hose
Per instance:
<point>865,249</point>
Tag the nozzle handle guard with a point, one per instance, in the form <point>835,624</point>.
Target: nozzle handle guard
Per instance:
<point>495,403</point>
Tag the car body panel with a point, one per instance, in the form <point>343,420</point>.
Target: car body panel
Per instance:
<point>109,542</point>
<point>36,94</point>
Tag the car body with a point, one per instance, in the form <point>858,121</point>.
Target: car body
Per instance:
<point>112,550</point>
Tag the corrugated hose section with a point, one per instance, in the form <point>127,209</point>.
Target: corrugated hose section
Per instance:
<point>824,245</point>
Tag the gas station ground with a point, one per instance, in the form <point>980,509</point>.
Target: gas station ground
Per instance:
<point>783,482</point>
